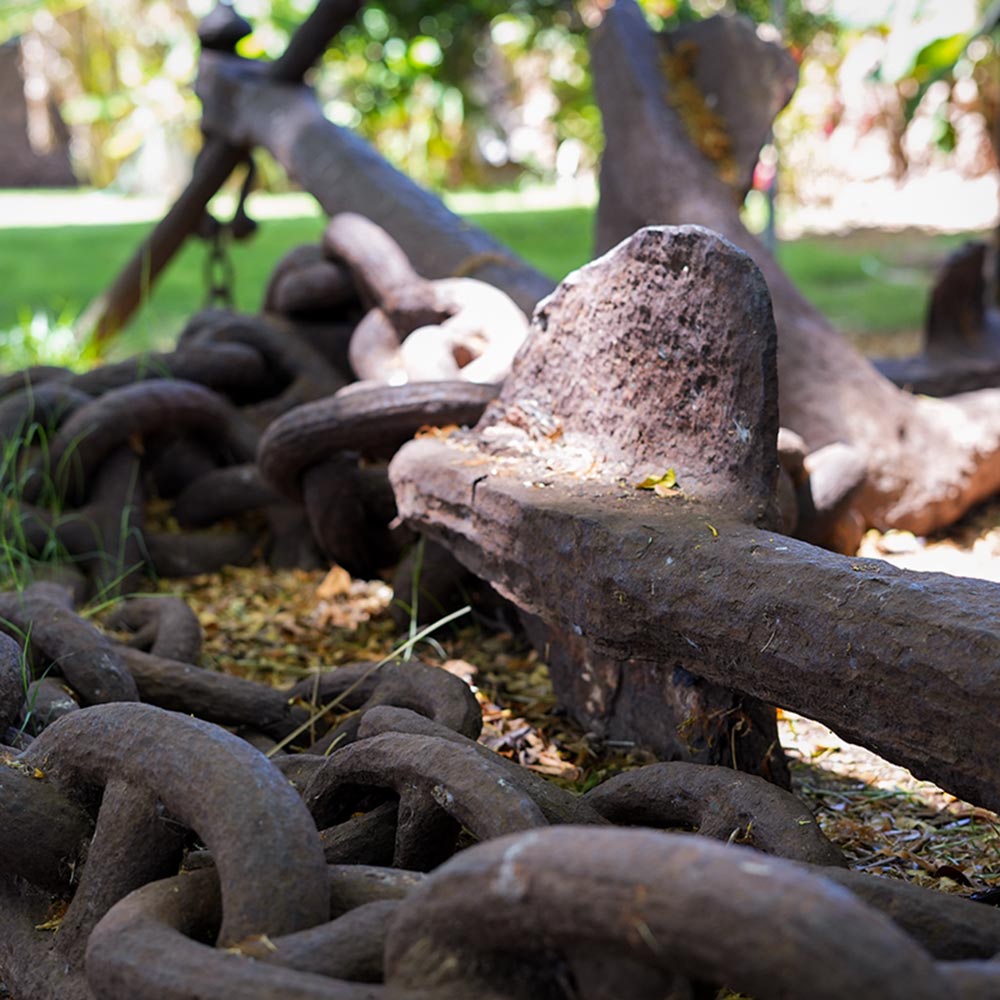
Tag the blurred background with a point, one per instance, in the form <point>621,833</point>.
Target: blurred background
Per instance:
<point>885,159</point>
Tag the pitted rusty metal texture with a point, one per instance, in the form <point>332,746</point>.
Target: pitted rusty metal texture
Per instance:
<point>429,691</point>
<point>46,700</point>
<point>441,786</point>
<point>235,790</point>
<point>162,626</point>
<point>96,428</point>
<point>416,329</point>
<point>674,903</point>
<point>110,799</point>
<point>149,946</point>
<point>304,373</point>
<point>223,493</point>
<point>13,684</point>
<point>556,804</point>
<point>43,831</point>
<point>217,697</point>
<point>175,860</point>
<point>42,617</point>
<point>716,802</point>
<point>374,419</point>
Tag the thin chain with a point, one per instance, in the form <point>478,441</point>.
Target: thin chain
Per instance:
<point>219,273</point>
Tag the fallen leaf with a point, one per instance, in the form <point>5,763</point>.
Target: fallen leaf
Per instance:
<point>461,668</point>
<point>55,917</point>
<point>336,582</point>
<point>660,485</point>
<point>254,946</point>
<point>955,874</point>
<point>436,432</point>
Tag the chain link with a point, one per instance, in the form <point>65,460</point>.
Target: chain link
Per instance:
<point>220,278</point>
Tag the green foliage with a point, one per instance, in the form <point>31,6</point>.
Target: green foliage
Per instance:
<point>432,85</point>
<point>446,91</point>
<point>801,20</point>
<point>555,240</point>
<point>42,337</point>
<point>873,286</point>
<point>39,300</point>
<point>455,94</point>
<point>80,261</point>
<point>122,71</point>
<point>913,64</point>
<point>18,16</point>
<point>19,559</point>
<point>868,282</point>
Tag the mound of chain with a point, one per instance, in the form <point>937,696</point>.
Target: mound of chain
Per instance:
<point>172,857</point>
<point>224,838</point>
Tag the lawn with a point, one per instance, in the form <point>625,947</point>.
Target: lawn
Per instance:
<point>873,285</point>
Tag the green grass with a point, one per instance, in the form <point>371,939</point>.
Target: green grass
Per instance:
<point>556,241</point>
<point>872,285</point>
<point>58,271</point>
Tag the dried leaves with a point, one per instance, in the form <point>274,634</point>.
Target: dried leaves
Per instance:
<point>886,821</point>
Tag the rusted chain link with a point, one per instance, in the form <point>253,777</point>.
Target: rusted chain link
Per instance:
<point>109,799</point>
<point>715,802</point>
<point>645,907</point>
<point>220,276</point>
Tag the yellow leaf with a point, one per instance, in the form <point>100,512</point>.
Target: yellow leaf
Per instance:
<point>254,946</point>
<point>440,433</point>
<point>335,583</point>
<point>54,917</point>
<point>661,485</point>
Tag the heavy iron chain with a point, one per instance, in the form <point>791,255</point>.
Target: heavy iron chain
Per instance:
<point>108,804</point>
<point>177,860</point>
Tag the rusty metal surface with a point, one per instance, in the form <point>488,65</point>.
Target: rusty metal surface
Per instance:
<point>585,891</point>
<point>375,420</point>
<point>586,912</point>
<point>175,860</point>
<point>42,618</point>
<point>716,802</point>
<point>904,663</point>
<point>236,790</point>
